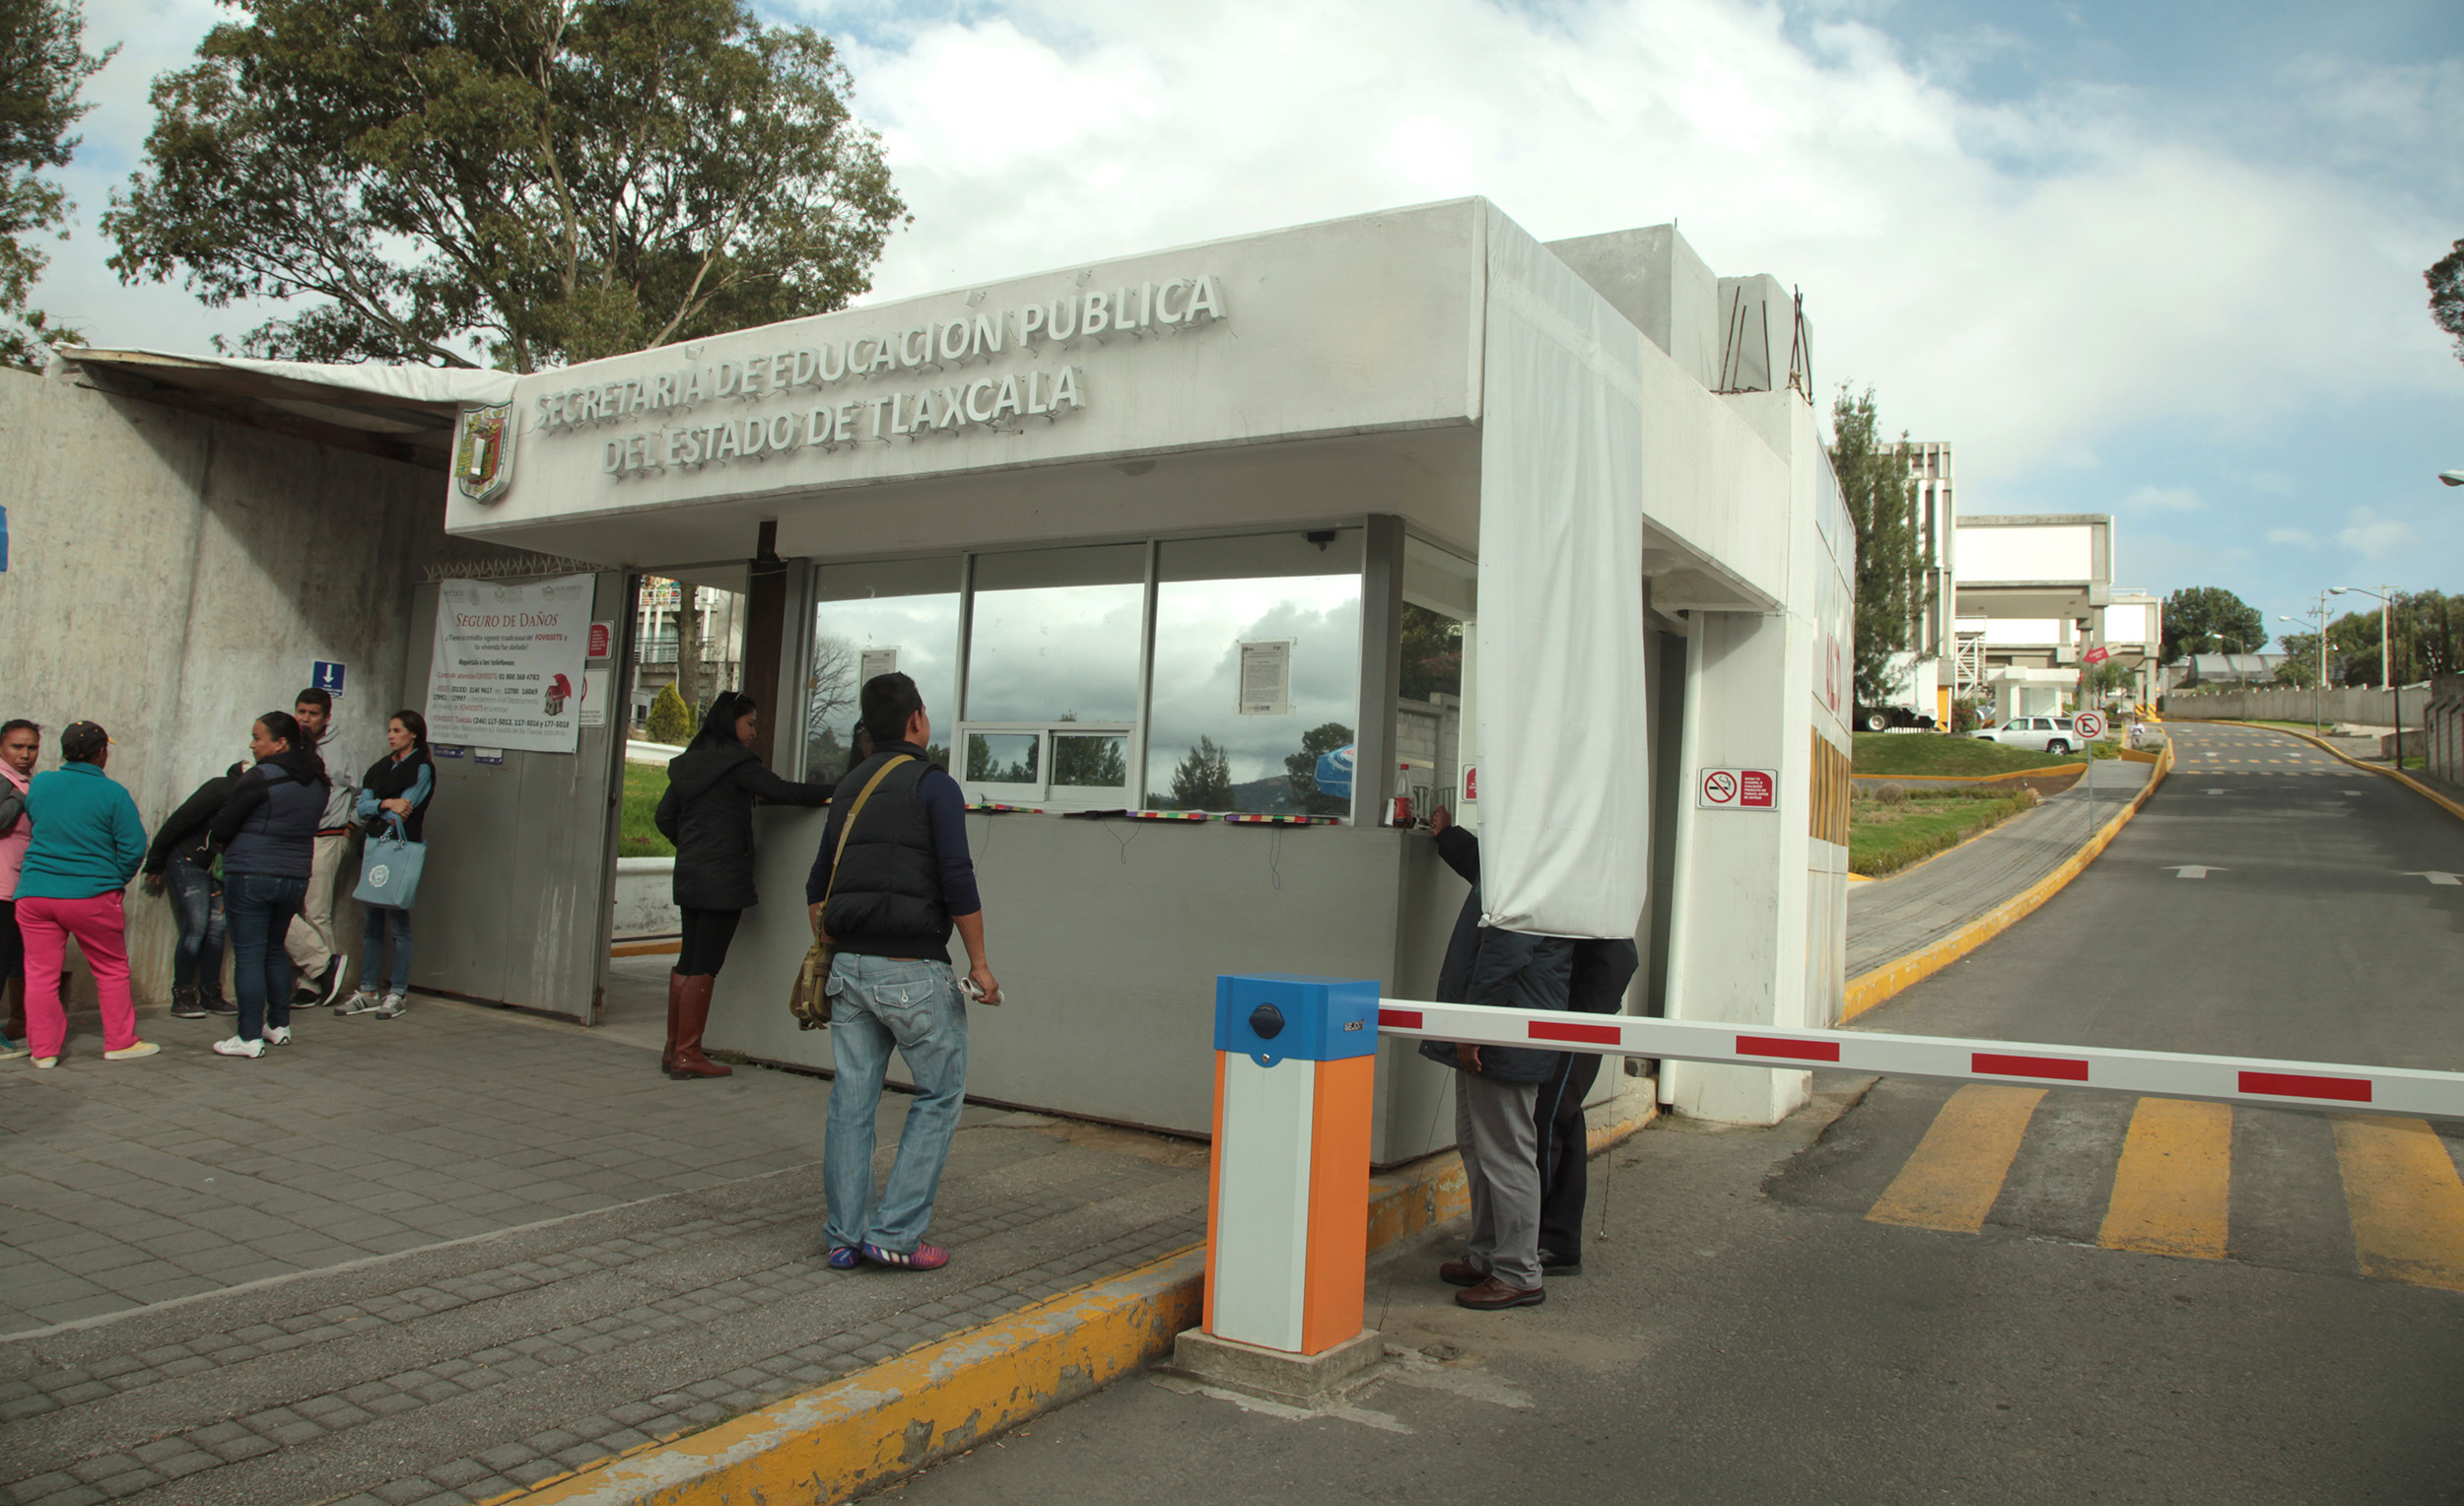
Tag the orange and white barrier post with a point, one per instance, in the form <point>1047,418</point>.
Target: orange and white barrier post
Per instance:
<point>1287,1213</point>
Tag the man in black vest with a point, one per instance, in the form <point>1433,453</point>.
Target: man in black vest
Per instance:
<point>891,880</point>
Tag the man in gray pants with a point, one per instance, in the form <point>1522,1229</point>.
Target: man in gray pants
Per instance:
<point>1496,1091</point>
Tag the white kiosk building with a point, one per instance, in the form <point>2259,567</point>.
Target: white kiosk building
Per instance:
<point>1516,522</point>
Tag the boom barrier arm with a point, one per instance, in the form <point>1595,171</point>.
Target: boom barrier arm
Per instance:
<point>2166,1075</point>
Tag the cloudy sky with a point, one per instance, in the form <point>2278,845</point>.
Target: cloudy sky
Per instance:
<point>2161,260</point>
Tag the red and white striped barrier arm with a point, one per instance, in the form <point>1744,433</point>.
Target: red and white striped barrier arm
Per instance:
<point>2168,1074</point>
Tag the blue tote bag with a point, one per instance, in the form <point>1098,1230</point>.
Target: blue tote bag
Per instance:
<point>389,870</point>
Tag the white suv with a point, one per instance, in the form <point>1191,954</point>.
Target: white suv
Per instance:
<point>2045,734</point>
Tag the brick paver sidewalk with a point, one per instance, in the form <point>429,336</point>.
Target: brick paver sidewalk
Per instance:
<point>443,1258</point>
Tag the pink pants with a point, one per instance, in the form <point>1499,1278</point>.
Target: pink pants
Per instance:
<point>100,927</point>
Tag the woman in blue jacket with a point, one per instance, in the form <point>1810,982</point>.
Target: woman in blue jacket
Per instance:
<point>267,834</point>
<point>88,844</point>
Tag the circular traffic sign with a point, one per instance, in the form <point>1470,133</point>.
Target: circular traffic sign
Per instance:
<point>1720,785</point>
<point>2091,725</point>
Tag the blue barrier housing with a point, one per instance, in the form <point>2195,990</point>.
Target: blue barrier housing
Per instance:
<point>1272,1016</point>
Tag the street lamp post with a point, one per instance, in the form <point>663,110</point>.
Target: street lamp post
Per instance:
<point>2386,665</point>
<point>2317,619</point>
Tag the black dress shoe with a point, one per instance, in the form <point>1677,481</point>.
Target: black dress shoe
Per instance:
<point>1554,1265</point>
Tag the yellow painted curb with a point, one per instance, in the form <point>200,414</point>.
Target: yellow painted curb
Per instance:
<point>1871,988</point>
<point>893,1418</point>
<point>2398,774</point>
<point>643,948</point>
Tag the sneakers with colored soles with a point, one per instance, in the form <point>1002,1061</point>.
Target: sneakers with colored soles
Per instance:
<point>922,1258</point>
<point>233,1046</point>
<point>133,1052</point>
<point>844,1258</point>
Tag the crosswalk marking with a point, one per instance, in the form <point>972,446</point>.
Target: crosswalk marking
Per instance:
<point>1951,1181</point>
<point>2172,1184</point>
<point>2172,1189</point>
<point>2405,1200</point>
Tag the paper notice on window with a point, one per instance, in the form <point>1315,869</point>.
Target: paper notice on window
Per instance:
<point>593,698</point>
<point>508,662</point>
<point>875,663</point>
<point>1267,678</point>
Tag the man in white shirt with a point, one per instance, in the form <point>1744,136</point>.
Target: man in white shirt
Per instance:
<point>312,940</point>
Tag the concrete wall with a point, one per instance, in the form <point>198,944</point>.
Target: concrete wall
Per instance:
<point>1107,936</point>
<point>2341,702</point>
<point>2442,745</point>
<point>172,577</point>
<point>645,898</point>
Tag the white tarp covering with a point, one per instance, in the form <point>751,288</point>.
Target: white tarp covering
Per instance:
<point>399,384</point>
<point>1565,796</point>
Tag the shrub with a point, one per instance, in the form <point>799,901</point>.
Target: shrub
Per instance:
<point>1891,795</point>
<point>670,723</point>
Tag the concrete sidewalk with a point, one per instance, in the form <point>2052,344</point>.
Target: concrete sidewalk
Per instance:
<point>1911,909</point>
<point>443,1258</point>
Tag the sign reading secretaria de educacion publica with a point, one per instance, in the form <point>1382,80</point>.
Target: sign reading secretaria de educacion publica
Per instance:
<point>950,401</point>
<point>506,670</point>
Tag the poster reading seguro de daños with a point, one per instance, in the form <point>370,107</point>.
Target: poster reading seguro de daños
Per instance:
<point>507,667</point>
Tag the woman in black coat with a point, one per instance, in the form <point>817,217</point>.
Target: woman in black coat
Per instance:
<point>708,813</point>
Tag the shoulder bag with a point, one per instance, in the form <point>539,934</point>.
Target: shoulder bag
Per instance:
<point>389,868</point>
<point>809,999</point>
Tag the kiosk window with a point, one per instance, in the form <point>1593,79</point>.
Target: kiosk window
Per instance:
<point>871,618</point>
<point>1054,635</point>
<point>1257,671</point>
<point>1433,699</point>
<point>1004,758</point>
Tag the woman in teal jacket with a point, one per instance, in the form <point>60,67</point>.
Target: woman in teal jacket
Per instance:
<point>87,844</point>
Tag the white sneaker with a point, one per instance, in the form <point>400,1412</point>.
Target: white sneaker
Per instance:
<point>46,1064</point>
<point>277,1035</point>
<point>361,1002</point>
<point>235,1047</point>
<point>393,1008</point>
<point>133,1052</point>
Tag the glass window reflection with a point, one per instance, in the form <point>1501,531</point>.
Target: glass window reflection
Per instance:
<point>1213,596</point>
<point>898,615</point>
<point>1055,635</point>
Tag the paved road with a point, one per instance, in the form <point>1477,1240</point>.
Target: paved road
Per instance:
<point>1981,1293</point>
<point>1748,1332</point>
<point>2310,939</point>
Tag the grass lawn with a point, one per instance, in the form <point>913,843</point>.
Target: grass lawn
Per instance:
<point>1883,839</point>
<point>1925,753</point>
<point>637,837</point>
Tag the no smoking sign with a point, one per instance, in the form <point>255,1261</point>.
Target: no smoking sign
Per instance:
<point>1738,789</point>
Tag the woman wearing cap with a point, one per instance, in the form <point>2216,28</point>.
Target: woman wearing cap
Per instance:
<point>87,842</point>
<point>267,834</point>
<point>21,742</point>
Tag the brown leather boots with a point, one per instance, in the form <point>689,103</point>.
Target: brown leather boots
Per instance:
<point>688,1010</point>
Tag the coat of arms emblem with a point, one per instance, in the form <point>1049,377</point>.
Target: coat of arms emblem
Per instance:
<point>483,452</point>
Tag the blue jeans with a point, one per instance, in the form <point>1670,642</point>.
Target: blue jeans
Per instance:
<point>259,907</point>
<point>878,1002</point>
<point>197,900</point>
<point>381,919</point>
